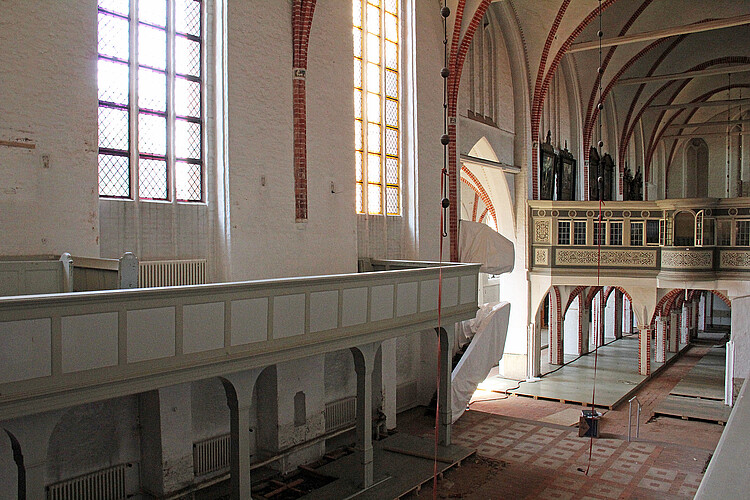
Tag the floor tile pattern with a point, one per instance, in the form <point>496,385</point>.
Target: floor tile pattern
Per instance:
<point>550,460</point>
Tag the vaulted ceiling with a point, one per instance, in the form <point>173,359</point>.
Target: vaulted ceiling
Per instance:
<point>654,53</point>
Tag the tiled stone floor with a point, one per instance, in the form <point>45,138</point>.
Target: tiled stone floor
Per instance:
<point>542,460</point>
<point>552,458</point>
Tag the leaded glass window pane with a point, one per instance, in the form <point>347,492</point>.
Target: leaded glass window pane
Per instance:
<point>114,176</point>
<point>188,181</point>
<point>159,116</point>
<point>152,134</point>
<point>188,17</point>
<point>153,12</point>
<point>187,56</point>
<point>114,130</point>
<point>375,78</point>
<point>187,97</point>
<point>152,47</point>
<point>187,139</point>
<point>152,90</point>
<point>113,80</point>
<point>152,179</point>
<point>114,36</point>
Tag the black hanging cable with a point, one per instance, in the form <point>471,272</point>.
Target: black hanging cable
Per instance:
<point>445,203</point>
<point>599,234</point>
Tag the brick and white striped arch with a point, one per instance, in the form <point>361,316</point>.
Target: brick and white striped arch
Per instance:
<point>302,17</point>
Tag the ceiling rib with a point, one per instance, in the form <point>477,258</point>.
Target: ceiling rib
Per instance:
<point>707,124</point>
<point>707,134</point>
<point>693,105</point>
<point>715,24</point>
<point>741,68</point>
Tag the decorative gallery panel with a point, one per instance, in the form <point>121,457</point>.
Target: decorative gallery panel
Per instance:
<point>735,259</point>
<point>681,259</point>
<point>543,231</point>
<point>541,256</point>
<point>609,258</point>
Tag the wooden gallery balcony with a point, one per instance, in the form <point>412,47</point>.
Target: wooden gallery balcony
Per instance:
<point>706,238</point>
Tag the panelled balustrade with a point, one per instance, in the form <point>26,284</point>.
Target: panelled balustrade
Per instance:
<point>58,350</point>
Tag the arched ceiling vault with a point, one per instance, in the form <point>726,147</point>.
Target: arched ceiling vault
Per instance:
<point>657,56</point>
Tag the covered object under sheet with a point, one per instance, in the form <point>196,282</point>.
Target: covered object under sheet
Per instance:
<point>480,243</point>
<point>490,328</point>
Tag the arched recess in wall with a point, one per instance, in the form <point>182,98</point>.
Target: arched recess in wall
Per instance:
<point>93,436</point>
<point>484,187</point>
<point>696,169</point>
<point>684,228</point>
<point>12,469</point>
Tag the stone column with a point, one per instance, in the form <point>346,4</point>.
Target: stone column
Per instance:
<point>702,312</point>
<point>627,317</point>
<point>661,340</point>
<point>684,326</point>
<point>583,327</point>
<point>673,344</point>
<point>694,316</point>
<point>644,350</point>
<point>389,382</point>
<point>618,314</point>
<point>601,310</point>
<point>239,390</point>
<point>534,349</point>
<point>364,364</point>
<point>166,439</point>
<point>444,395</point>
<point>555,332</point>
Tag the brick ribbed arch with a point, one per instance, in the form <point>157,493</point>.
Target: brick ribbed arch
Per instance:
<point>302,16</point>
<point>540,91</point>
<point>478,195</point>
<point>579,290</point>
<point>556,302</point>
<point>668,298</point>
<point>701,98</point>
<point>592,114</point>
<point>459,49</point>
<point>722,297</point>
<point>592,293</point>
<point>628,128</point>
<point>479,189</point>
<point>656,132</point>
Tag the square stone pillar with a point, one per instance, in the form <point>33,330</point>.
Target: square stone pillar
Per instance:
<point>644,350</point>
<point>364,366</point>
<point>556,333</point>
<point>673,335</point>
<point>166,439</point>
<point>239,391</point>
<point>661,340</point>
<point>684,326</point>
<point>618,314</point>
<point>694,319</point>
<point>583,328</point>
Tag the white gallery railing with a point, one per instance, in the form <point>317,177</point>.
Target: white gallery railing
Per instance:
<point>63,349</point>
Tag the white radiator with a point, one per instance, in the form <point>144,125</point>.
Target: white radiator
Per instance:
<point>211,455</point>
<point>171,273</point>
<point>341,413</point>
<point>105,484</point>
